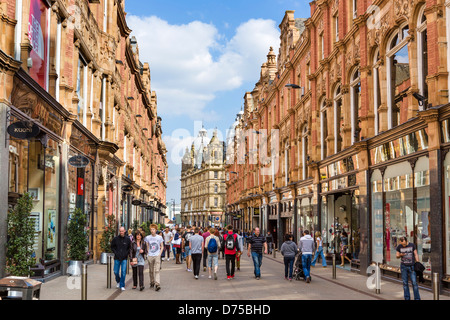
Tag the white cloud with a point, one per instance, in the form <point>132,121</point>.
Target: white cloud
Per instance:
<point>186,71</point>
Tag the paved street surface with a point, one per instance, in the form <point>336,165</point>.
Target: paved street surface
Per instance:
<point>178,284</point>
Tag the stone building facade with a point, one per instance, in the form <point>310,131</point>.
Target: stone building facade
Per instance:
<point>202,182</point>
<point>71,68</point>
<point>355,110</point>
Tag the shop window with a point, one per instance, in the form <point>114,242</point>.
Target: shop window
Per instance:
<point>398,76</point>
<point>377,216</point>
<point>355,105</point>
<point>338,120</point>
<point>422,227</point>
<point>18,165</point>
<point>447,213</point>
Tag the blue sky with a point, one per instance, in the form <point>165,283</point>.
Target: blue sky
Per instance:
<point>204,56</point>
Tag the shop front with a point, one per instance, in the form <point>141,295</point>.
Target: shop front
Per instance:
<point>340,209</point>
<point>35,162</point>
<point>400,197</point>
<point>307,218</point>
<point>286,214</point>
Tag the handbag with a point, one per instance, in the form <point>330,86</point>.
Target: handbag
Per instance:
<point>133,261</point>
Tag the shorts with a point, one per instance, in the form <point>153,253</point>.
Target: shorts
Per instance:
<point>187,251</point>
<point>213,258</point>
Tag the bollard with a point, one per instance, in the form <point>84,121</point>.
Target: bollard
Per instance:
<point>378,279</point>
<point>274,253</point>
<point>334,266</point>
<point>108,272</point>
<point>84,282</point>
<point>436,286</point>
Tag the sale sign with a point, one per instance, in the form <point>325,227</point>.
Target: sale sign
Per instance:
<point>80,187</point>
<point>38,35</point>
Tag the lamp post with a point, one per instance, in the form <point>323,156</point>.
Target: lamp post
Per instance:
<point>294,86</point>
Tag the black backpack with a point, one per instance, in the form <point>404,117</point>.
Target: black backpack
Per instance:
<point>230,242</point>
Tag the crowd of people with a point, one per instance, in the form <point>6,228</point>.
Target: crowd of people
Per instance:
<point>194,245</point>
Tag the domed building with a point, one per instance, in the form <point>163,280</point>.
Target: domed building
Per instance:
<point>203,182</point>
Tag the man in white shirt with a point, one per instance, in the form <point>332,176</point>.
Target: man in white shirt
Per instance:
<point>168,237</point>
<point>155,249</point>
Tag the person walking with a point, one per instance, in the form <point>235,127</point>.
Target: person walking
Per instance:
<point>168,237</point>
<point>205,235</point>
<point>212,245</point>
<point>319,250</point>
<point>186,248</point>
<point>289,251</point>
<point>407,253</point>
<point>231,248</point>
<point>307,247</point>
<point>256,243</point>
<point>155,245</point>
<point>344,248</point>
<point>120,246</point>
<point>197,245</point>
<point>138,252</point>
<point>241,246</point>
<point>218,234</point>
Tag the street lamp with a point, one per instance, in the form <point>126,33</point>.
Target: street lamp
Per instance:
<point>294,86</point>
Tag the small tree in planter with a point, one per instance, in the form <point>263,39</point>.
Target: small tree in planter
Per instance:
<point>77,240</point>
<point>19,249</point>
<point>108,236</point>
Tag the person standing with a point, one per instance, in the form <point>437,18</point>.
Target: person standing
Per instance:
<point>155,245</point>
<point>269,239</point>
<point>197,245</point>
<point>307,247</point>
<point>176,244</point>
<point>168,237</point>
<point>138,251</point>
<point>212,245</point>
<point>289,251</point>
<point>319,252</point>
<point>187,249</point>
<point>205,235</point>
<point>256,243</point>
<point>231,248</point>
<point>407,252</point>
<point>120,246</point>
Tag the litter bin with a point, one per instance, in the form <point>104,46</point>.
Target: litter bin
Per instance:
<point>20,288</point>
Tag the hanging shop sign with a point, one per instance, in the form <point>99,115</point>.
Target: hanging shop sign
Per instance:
<point>79,161</point>
<point>23,130</point>
<point>136,202</point>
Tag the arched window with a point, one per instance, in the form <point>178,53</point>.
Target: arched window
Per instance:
<point>376,90</point>
<point>323,129</point>
<point>398,74</point>
<point>338,120</point>
<point>422,55</point>
<point>355,105</point>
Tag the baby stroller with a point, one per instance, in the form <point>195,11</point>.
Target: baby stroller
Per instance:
<point>298,273</point>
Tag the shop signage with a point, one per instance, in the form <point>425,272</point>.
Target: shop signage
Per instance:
<point>22,130</point>
<point>256,212</point>
<point>79,161</point>
<point>80,187</point>
<point>136,202</point>
<point>127,188</point>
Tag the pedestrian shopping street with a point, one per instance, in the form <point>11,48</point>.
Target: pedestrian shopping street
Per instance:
<point>178,284</point>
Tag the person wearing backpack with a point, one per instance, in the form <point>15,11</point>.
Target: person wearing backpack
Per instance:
<point>231,247</point>
<point>212,245</point>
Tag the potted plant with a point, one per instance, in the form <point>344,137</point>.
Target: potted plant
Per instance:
<point>107,237</point>
<point>19,248</point>
<point>77,242</point>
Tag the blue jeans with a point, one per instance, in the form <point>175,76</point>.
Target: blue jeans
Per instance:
<point>120,278</point>
<point>288,265</point>
<point>319,253</point>
<point>257,262</point>
<point>306,262</point>
<point>409,273</point>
